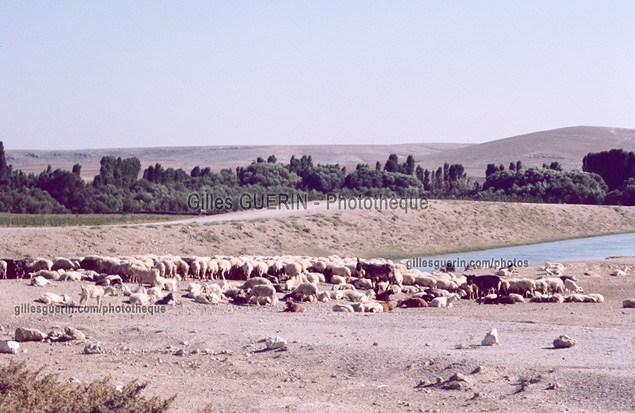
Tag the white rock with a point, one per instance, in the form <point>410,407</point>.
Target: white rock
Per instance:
<point>491,338</point>
<point>9,347</point>
<point>564,342</point>
<point>93,348</point>
<point>276,342</point>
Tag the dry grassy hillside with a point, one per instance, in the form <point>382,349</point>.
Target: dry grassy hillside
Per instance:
<point>566,145</point>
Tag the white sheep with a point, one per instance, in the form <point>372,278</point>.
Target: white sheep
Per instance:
<point>39,281</point>
<point>3,269</point>
<point>155,292</point>
<point>556,298</point>
<point>373,307</point>
<point>140,298</point>
<point>599,298</point>
<point>263,291</point>
<point>324,296</point>
<point>363,283</point>
<point>444,302</point>
<point>211,298</point>
<point>570,285</point>
<point>424,281</point>
<point>343,308</point>
<point>344,287</point>
<point>517,298</point>
<point>95,291</point>
<point>305,291</point>
<point>52,298</point>
<point>620,273</point>
<point>337,294</point>
<point>252,282</point>
<point>338,279</point>
<point>556,285</point>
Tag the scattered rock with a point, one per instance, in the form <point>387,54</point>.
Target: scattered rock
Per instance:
<point>479,369</point>
<point>491,338</point>
<point>93,348</point>
<point>564,342</point>
<point>458,377</point>
<point>74,380</point>
<point>629,303</point>
<point>553,386</point>
<point>275,342</point>
<point>28,334</point>
<point>11,347</point>
<point>71,333</point>
<point>179,352</point>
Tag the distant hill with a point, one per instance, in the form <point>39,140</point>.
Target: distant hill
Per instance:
<point>219,157</point>
<point>566,145</point>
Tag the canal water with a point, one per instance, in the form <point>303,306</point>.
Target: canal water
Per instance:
<point>592,248</point>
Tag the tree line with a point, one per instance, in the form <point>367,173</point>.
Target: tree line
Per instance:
<point>122,187</point>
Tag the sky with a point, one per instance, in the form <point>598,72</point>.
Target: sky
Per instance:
<point>113,74</point>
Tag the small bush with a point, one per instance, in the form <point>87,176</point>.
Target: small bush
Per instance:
<point>24,390</point>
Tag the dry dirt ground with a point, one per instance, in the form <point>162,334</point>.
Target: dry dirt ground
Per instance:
<point>352,361</point>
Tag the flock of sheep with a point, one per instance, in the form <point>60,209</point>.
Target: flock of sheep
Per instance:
<point>358,285</point>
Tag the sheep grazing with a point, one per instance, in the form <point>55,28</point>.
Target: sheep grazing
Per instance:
<point>252,282</point>
<point>142,275</point>
<point>304,291</point>
<point>3,269</point>
<point>52,298</point>
<point>293,307</point>
<point>63,264</point>
<point>570,285</point>
<point>412,302</point>
<point>262,291</point>
<point>94,291</point>
<point>445,302</point>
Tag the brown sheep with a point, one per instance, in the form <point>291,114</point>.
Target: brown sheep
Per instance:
<point>293,307</point>
<point>413,302</point>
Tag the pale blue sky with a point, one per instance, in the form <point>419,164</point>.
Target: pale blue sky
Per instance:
<point>95,74</point>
